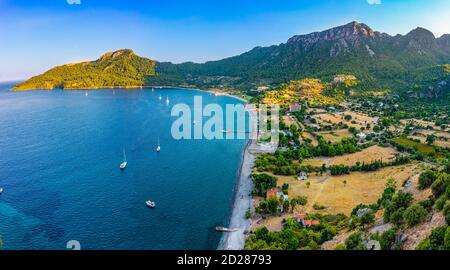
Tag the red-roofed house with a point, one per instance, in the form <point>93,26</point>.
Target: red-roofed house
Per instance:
<point>315,223</point>
<point>272,193</point>
<point>307,223</point>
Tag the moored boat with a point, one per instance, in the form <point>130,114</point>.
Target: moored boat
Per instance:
<point>150,204</point>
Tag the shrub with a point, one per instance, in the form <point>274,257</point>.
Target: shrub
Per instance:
<point>437,238</point>
<point>248,214</point>
<point>426,179</point>
<point>354,242</point>
<point>387,239</point>
<point>318,207</point>
<point>440,203</point>
<point>439,187</point>
<point>397,216</point>
<point>367,218</point>
<point>414,214</point>
<point>447,213</point>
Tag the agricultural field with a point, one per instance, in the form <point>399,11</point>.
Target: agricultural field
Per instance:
<point>308,135</point>
<point>420,147</point>
<point>365,156</point>
<point>422,123</point>
<point>340,194</point>
<point>335,135</point>
<point>358,120</point>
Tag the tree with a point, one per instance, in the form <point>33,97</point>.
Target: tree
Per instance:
<point>263,182</point>
<point>387,239</point>
<point>431,139</point>
<point>293,204</point>
<point>396,217</point>
<point>439,186</point>
<point>447,213</point>
<point>367,218</point>
<point>302,200</point>
<point>248,214</point>
<point>414,214</point>
<point>354,242</point>
<point>348,117</point>
<point>426,179</point>
<point>269,206</point>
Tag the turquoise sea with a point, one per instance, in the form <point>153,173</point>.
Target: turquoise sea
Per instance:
<point>59,167</point>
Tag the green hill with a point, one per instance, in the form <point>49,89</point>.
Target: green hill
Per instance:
<point>114,69</point>
<point>378,60</point>
<point>411,65</point>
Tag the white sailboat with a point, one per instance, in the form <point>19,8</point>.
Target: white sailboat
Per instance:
<point>86,93</point>
<point>124,164</point>
<point>167,100</point>
<point>1,190</point>
<point>160,97</point>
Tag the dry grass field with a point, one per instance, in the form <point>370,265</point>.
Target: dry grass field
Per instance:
<point>335,135</point>
<point>421,122</point>
<point>367,155</point>
<point>359,119</point>
<point>444,144</point>
<point>308,135</point>
<point>340,197</point>
<point>442,134</point>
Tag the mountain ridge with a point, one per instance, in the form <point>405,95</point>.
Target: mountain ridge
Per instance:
<point>377,59</point>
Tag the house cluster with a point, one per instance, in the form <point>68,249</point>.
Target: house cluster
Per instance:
<point>276,193</point>
<point>307,222</point>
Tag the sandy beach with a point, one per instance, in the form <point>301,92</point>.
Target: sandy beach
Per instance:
<point>242,198</point>
<point>242,202</point>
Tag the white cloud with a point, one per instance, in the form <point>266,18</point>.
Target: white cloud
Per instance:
<point>74,2</point>
<point>374,2</point>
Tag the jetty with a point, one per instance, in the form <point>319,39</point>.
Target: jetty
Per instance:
<point>223,229</point>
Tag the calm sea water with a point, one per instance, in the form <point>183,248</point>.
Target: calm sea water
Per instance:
<point>59,158</point>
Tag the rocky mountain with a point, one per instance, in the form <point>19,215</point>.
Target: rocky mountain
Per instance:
<point>121,68</point>
<point>378,61</point>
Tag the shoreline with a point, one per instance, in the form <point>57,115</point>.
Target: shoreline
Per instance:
<point>242,197</point>
<point>133,88</point>
<point>242,201</point>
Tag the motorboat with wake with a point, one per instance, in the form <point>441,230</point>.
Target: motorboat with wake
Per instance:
<point>124,164</point>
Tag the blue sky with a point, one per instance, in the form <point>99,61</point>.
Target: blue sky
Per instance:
<point>37,35</point>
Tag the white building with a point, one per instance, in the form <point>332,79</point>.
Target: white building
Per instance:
<point>302,176</point>
<point>361,136</point>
